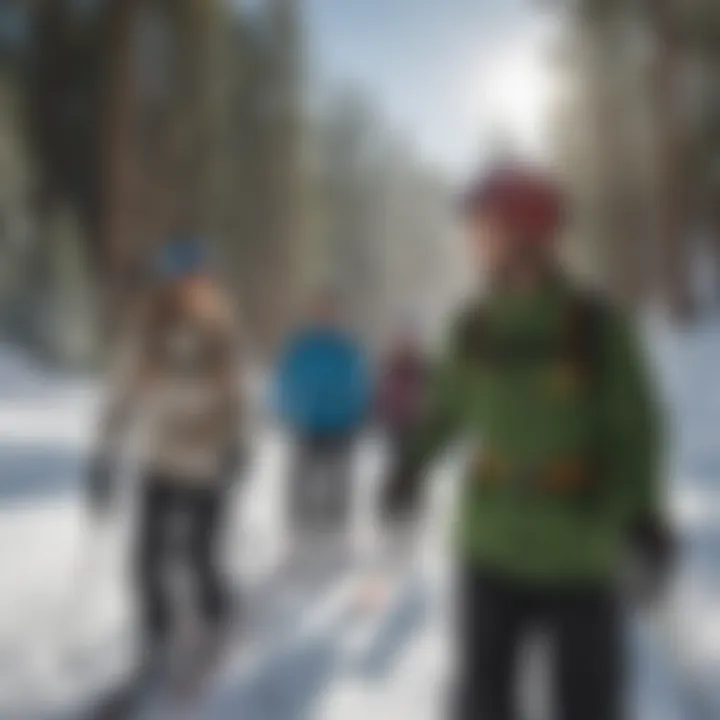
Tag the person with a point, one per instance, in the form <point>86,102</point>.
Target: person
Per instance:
<point>401,396</point>
<point>178,380</point>
<point>401,392</point>
<point>324,397</point>
<point>547,379</point>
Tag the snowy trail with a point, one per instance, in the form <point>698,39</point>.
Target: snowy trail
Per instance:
<point>309,653</point>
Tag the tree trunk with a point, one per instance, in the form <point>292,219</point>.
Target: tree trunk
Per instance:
<point>120,173</point>
<point>674,245</point>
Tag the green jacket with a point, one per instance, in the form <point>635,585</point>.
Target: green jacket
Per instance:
<point>528,415</point>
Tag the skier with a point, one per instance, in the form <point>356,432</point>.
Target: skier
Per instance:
<point>324,396</point>
<point>178,382</point>
<point>402,390</point>
<point>401,399</point>
<point>565,481</point>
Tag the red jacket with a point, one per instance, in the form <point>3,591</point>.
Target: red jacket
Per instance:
<point>402,390</point>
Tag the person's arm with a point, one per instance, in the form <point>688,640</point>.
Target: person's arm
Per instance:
<point>232,385</point>
<point>637,456</point>
<point>363,399</point>
<point>634,426</point>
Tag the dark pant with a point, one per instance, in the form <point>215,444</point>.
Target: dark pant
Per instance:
<point>199,510</point>
<point>584,626</point>
<point>320,492</point>
<point>400,440</point>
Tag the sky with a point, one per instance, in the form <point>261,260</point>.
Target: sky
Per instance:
<point>450,75</point>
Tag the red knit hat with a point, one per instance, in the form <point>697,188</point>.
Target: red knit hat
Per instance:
<point>524,199</point>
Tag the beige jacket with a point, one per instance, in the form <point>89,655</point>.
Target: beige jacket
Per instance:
<point>177,384</point>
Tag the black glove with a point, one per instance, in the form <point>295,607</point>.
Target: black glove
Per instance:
<point>653,555</point>
<point>100,484</point>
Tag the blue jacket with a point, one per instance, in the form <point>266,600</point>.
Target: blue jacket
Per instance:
<point>323,386</point>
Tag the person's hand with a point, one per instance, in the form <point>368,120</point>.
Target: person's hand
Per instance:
<point>100,482</point>
<point>653,554</point>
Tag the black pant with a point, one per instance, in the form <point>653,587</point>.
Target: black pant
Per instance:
<point>584,625</point>
<point>320,492</point>
<point>199,509</point>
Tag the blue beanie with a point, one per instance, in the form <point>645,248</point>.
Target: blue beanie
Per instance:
<point>180,258</point>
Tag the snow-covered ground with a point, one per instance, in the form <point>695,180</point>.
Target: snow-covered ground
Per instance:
<point>307,650</point>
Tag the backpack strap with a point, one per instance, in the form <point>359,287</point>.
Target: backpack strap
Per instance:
<point>586,329</point>
<point>471,334</point>
<point>584,336</point>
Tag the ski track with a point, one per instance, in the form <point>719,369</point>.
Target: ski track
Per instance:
<point>305,650</point>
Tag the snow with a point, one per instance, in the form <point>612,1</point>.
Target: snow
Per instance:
<point>307,650</point>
